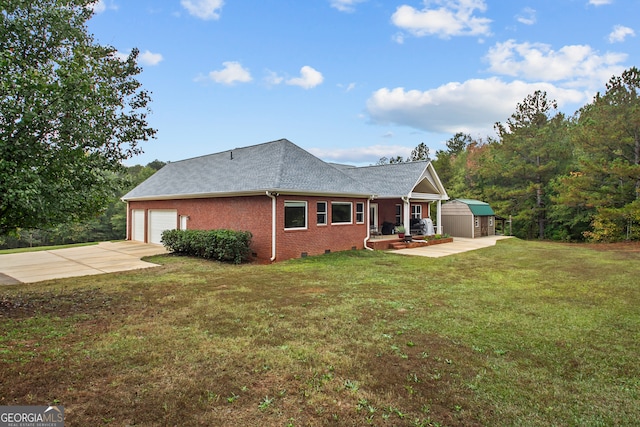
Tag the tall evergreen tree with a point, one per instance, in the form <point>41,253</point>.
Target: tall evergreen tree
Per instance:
<point>532,150</point>
<point>607,180</point>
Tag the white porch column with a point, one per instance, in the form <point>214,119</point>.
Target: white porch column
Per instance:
<point>406,215</point>
<point>439,225</point>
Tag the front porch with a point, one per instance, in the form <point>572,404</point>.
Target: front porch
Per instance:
<point>392,241</point>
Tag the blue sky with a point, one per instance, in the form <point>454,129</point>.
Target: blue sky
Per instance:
<point>355,80</point>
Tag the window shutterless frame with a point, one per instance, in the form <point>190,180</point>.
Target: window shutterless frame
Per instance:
<point>341,213</point>
<point>321,213</point>
<point>359,213</point>
<point>295,215</point>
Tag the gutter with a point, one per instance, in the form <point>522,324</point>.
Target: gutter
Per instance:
<point>272,196</point>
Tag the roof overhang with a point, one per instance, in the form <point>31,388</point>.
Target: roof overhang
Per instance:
<point>428,197</point>
<point>279,191</point>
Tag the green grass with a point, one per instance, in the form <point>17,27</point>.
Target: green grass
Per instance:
<point>44,248</point>
<point>521,334</point>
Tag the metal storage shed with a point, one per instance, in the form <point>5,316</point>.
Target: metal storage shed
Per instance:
<point>468,218</point>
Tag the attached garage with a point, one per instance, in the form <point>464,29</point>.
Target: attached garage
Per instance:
<point>159,221</point>
<point>137,225</point>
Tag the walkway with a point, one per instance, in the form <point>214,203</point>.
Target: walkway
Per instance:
<point>458,245</point>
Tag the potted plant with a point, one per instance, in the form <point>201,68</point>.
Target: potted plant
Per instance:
<point>400,231</point>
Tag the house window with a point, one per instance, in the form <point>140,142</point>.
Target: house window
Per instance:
<point>322,213</point>
<point>416,211</point>
<point>341,212</point>
<point>295,215</point>
<point>398,214</point>
<point>360,213</point>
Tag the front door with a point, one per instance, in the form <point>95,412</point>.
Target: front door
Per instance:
<point>373,217</point>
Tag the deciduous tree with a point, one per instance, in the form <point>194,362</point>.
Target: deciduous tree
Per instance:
<point>70,112</point>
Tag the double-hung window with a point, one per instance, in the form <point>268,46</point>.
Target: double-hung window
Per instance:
<point>360,213</point>
<point>341,213</point>
<point>321,213</point>
<point>416,211</point>
<point>295,215</point>
<point>398,214</point>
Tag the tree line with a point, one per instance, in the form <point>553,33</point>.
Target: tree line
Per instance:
<point>561,178</point>
<point>72,111</point>
<point>109,224</point>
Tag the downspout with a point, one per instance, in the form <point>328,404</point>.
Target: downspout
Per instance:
<point>366,239</point>
<point>273,226</point>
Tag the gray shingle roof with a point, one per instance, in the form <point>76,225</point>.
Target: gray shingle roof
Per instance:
<point>391,180</point>
<point>277,166</point>
<point>273,166</point>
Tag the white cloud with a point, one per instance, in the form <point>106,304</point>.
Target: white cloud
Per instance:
<point>273,79</point>
<point>574,65</point>
<point>620,33</point>
<point>370,154</point>
<point>309,78</point>
<point>203,9</point>
<point>144,58</point>
<point>345,5</point>
<point>527,16</point>
<point>452,18</point>
<point>121,55</point>
<point>398,38</point>
<point>232,73</point>
<point>600,2</point>
<point>472,106</point>
<point>149,58</point>
<point>100,6</point>
<point>571,75</point>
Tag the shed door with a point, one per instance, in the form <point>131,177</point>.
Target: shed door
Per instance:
<point>484,226</point>
<point>159,221</point>
<point>137,223</point>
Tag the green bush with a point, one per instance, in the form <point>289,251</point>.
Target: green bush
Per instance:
<point>221,245</point>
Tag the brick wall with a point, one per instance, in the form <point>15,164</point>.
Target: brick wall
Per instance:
<point>317,239</point>
<point>253,213</point>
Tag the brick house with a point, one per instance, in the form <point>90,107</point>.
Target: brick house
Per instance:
<point>293,203</point>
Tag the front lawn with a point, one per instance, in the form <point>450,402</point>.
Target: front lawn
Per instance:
<point>522,334</point>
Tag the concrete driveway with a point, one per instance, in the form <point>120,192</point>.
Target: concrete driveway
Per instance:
<point>458,245</point>
<point>105,257</point>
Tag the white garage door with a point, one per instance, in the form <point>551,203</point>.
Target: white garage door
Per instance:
<point>137,222</point>
<point>160,220</point>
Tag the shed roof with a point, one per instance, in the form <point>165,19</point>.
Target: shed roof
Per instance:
<point>477,207</point>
